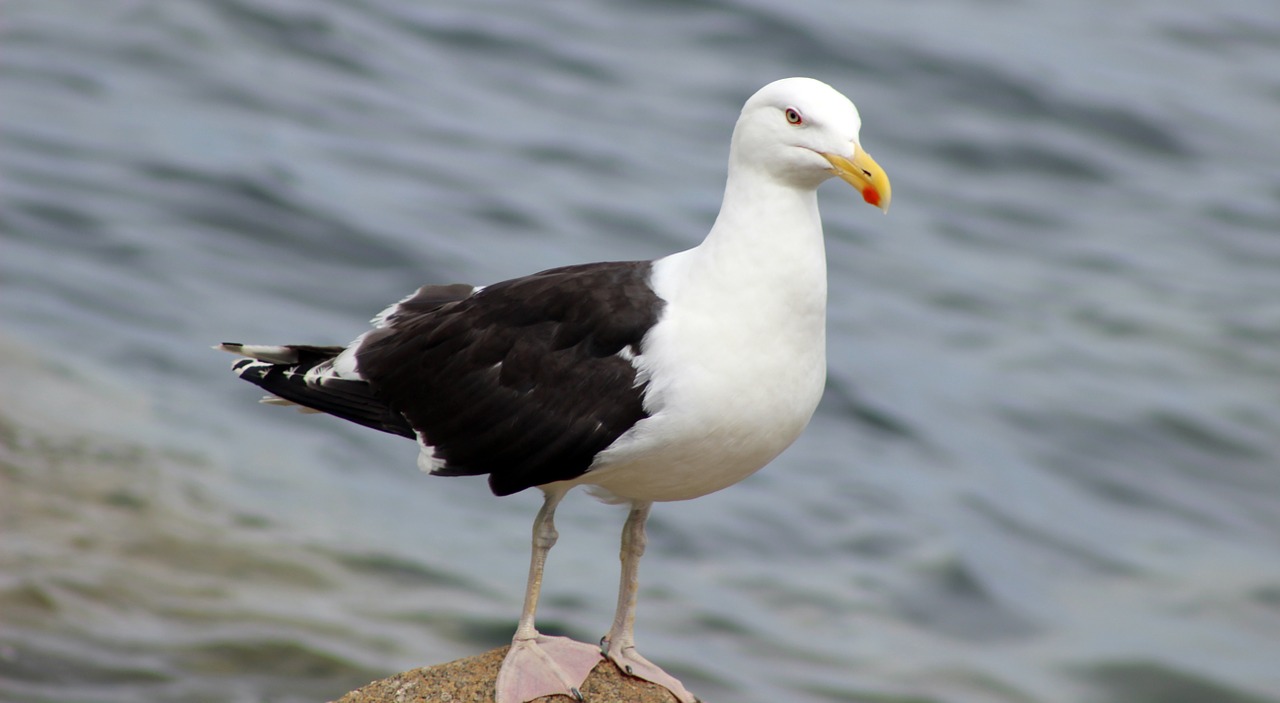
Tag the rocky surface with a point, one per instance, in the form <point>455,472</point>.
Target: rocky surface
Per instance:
<point>471,680</point>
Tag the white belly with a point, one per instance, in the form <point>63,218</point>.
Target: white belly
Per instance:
<point>732,381</point>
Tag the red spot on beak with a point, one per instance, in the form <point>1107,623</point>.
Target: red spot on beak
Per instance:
<point>871,195</point>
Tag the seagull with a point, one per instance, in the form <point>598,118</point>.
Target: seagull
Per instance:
<point>644,381</point>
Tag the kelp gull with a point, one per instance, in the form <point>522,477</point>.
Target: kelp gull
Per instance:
<point>647,381</point>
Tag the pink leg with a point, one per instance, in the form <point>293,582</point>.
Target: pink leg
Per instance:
<point>537,665</point>
<point>620,644</point>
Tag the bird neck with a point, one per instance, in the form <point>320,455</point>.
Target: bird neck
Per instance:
<point>768,232</point>
<point>763,264</point>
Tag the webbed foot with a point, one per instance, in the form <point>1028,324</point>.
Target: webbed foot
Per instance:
<point>543,666</point>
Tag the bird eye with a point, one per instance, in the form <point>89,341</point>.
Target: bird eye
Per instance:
<point>793,116</point>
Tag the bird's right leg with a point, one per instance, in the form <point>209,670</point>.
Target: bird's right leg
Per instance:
<point>620,644</point>
<point>537,665</point>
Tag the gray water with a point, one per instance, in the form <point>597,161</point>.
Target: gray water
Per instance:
<point>1047,467</point>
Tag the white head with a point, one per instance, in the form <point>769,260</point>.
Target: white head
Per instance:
<point>802,132</point>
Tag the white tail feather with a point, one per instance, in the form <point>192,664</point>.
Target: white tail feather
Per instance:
<point>281,402</point>
<point>261,352</point>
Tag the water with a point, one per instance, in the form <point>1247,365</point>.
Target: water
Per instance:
<point>1047,467</point>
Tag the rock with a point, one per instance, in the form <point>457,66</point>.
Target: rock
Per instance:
<point>471,680</point>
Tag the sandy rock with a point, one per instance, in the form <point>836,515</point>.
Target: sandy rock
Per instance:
<point>471,680</point>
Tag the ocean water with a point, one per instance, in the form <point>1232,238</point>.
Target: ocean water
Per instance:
<point>1047,466</point>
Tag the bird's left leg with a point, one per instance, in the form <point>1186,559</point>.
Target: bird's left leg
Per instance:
<point>538,665</point>
<point>620,644</point>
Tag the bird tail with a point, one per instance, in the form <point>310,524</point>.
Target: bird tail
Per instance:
<point>294,374</point>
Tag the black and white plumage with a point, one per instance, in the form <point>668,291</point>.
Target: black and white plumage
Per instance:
<point>646,381</point>
<point>487,378</point>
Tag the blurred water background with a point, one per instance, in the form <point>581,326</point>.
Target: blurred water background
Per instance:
<point>1047,467</point>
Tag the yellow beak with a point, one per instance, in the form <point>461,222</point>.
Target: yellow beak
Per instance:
<point>862,172</point>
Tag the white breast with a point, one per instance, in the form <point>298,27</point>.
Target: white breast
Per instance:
<point>735,368</point>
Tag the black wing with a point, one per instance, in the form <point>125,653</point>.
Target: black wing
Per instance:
<point>523,380</point>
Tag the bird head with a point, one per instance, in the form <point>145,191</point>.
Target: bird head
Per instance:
<point>802,131</point>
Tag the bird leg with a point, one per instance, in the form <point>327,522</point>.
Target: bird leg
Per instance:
<point>619,645</point>
<point>537,665</point>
